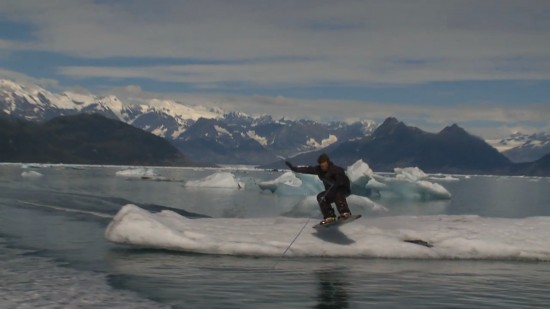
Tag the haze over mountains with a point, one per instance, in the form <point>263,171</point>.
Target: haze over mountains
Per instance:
<point>214,136</point>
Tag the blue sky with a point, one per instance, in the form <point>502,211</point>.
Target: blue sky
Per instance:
<point>482,64</point>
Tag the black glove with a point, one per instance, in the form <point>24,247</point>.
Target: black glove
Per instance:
<point>289,165</point>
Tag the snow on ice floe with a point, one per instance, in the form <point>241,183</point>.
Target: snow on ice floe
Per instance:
<point>217,180</point>
<point>450,237</point>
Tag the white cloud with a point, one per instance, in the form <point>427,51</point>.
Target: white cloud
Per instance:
<point>331,139</point>
<point>260,139</point>
<point>286,73</point>
<point>314,41</point>
<point>25,79</point>
<point>300,43</point>
<point>133,89</point>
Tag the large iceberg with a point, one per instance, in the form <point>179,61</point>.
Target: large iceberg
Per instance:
<point>360,174</point>
<point>291,183</point>
<point>217,180</point>
<point>410,182</point>
<point>286,179</point>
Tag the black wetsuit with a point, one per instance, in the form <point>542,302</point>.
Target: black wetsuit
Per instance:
<point>337,187</point>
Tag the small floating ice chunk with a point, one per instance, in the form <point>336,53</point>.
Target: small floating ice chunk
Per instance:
<point>287,178</point>
<point>217,180</point>
<point>137,173</point>
<point>31,174</point>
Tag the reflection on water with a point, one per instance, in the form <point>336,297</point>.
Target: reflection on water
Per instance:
<point>194,280</point>
<point>332,289</point>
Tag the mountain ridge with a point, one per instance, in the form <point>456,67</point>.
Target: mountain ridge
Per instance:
<point>452,150</point>
<point>172,119</point>
<point>85,139</point>
<point>211,135</point>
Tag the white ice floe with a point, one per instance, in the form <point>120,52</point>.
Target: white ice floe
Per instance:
<point>414,189</point>
<point>409,183</point>
<point>140,173</point>
<point>443,178</point>
<point>436,237</point>
<point>217,180</point>
<point>293,184</point>
<point>35,165</point>
<point>286,179</point>
<point>31,174</point>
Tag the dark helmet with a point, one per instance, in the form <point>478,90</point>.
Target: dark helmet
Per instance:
<point>323,158</point>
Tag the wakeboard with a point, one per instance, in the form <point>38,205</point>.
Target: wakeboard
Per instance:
<point>337,222</point>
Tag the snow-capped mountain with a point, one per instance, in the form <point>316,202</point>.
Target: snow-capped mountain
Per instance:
<point>162,117</point>
<point>519,147</point>
<point>204,134</point>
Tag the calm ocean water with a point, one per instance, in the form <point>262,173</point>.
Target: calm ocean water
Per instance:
<point>53,253</point>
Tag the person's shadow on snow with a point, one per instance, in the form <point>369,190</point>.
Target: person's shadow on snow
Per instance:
<point>333,235</point>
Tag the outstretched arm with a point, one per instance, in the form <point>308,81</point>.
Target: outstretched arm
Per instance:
<point>302,169</point>
<point>290,166</point>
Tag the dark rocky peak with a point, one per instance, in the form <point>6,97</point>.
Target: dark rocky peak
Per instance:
<point>454,130</point>
<point>393,127</point>
<point>391,122</point>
